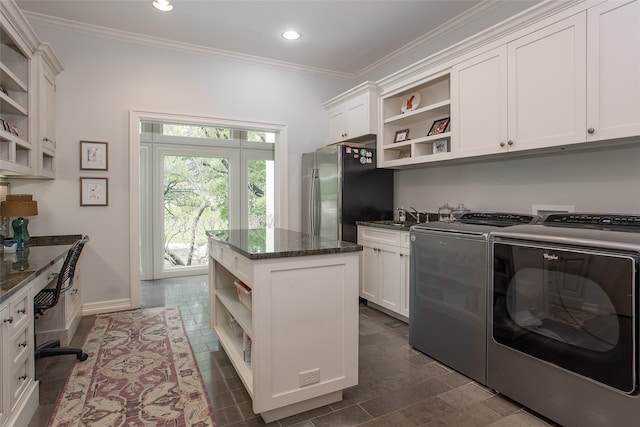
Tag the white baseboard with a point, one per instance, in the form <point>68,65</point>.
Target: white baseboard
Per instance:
<point>90,308</point>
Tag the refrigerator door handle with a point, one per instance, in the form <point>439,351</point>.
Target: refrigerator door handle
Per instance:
<point>314,203</point>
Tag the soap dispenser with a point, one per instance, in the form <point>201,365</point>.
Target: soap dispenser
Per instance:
<point>402,214</point>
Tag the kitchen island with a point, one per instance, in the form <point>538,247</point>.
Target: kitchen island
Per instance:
<point>284,305</point>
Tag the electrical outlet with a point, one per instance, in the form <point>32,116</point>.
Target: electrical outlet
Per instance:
<point>309,377</point>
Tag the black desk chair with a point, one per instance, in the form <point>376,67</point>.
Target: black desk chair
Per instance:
<point>49,297</point>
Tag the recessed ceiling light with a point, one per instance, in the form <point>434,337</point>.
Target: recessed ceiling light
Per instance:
<point>163,5</point>
<point>291,35</point>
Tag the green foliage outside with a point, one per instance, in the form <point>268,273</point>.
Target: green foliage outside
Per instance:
<point>196,197</point>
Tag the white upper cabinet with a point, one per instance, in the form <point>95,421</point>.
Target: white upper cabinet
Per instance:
<point>27,102</point>
<point>613,73</point>
<point>546,86</point>
<point>16,156</point>
<point>353,114</point>
<point>524,95</point>
<point>46,68</point>
<point>479,111</point>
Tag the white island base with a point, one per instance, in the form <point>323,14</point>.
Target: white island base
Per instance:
<point>302,325</point>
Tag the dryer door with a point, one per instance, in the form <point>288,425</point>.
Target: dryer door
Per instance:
<point>570,307</point>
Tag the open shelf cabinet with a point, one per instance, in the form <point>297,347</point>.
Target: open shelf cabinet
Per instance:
<point>434,104</point>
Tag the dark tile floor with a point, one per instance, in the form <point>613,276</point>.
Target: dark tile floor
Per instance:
<point>398,386</point>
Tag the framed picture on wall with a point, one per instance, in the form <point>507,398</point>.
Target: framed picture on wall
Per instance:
<point>94,191</point>
<point>94,156</point>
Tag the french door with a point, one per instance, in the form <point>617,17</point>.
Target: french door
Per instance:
<point>188,190</point>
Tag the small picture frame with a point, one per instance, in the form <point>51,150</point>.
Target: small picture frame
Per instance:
<point>94,191</point>
<point>439,126</point>
<point>94,156</point>
<point>401,135</point>
<point>440,146</point>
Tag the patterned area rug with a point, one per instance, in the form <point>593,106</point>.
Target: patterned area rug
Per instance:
<point>140,372</point>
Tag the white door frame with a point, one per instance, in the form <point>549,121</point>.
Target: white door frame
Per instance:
<point>138,116</point>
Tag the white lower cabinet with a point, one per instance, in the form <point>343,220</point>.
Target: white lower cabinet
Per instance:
<point>18,389</point>
<point>61,321</point>
<point>294,345</point>
<point>384,270</point>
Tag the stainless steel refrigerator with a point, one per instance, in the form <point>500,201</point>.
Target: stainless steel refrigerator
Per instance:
<point>341,185</point>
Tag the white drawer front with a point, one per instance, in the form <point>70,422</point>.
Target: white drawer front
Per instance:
<point>20,310</point>
<point>21,343</point>
<point>405,239</point>
<point>72,300</point>
<point>21,377</point>
<point>379,235</point>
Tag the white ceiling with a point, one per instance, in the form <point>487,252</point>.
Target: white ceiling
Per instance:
<point>338,36</point>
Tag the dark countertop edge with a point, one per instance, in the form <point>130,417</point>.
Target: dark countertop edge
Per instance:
<point>386,224</point>
<point>341,247</point>
<point>289,254</point>
<point>10,292</point>
<point>66,239</point>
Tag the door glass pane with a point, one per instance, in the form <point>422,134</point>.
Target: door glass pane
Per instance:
<point>196,199</point>
<point>260,192</point>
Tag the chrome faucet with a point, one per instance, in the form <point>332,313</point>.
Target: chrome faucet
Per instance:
<point>415,214</point>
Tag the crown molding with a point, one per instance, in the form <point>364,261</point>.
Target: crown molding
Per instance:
<point>443,29</point>
<point>20,24</point>
<point>161,43</point>
<point>434,63</point>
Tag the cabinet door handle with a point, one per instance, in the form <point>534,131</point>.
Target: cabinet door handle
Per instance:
<point>510,142</point>
<point>22,311</point>
<point>22,377</point>
<point>8,320</point>
<point>22,344</point>
<point>591,130</point>
<point>502,144</point>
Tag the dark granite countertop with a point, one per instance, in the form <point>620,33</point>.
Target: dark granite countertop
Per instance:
<point>394,225</point>
<point>19,268</point>
<point>263,243</point>
<point>390,225</point>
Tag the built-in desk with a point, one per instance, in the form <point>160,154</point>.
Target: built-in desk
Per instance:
<point>22,275</point>
<point>294,342</point>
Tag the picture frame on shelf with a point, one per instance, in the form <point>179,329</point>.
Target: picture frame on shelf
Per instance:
<point>440,146</point>
<point>439,126</point>
<point>401,135</point>
<point>94,155</point>
<point>94,191</point>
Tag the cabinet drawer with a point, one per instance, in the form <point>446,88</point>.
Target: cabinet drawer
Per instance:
<point>20,310</point>
<point>21,377</point>
<point>72,300</point>
<point>405,241</point>
<point>221,253</point>
<point>378,235</point>
<point>21,343</point>
<point>238,265</point>
<point>47,276</point>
